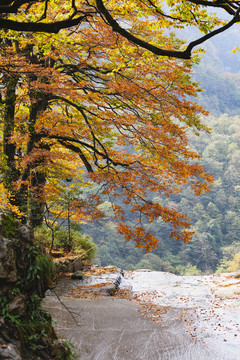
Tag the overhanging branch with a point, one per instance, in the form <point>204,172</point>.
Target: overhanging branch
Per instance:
<point>214,32</point>
<point>11,6</point>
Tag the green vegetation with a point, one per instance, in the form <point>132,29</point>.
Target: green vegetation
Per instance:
<point>218,74</point>
<point>21,306</point>
<point>76,242</point>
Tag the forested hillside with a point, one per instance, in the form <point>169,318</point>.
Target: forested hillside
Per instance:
<point>219,76</point>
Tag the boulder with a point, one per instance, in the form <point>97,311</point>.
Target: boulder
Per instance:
<point>25,235</point>
<point>9,352</point>
<point>108,290</point>
<point>77,264</point>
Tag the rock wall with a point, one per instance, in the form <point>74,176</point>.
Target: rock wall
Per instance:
<point>12,255</point>
<point>26,331</point>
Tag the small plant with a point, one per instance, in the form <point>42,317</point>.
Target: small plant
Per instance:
<point>6,313</point>
<point>69,353</point>
<point>40,271</point>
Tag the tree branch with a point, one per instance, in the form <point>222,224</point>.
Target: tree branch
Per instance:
<point>214,32</point>
<point>66,141</point>
<point>10,6</point>
<point>79,152</point>
<point>229,6</point>
<point>54,27</point>
<point>144,44</point>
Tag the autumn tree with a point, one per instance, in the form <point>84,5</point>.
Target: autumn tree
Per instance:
<point>89,105</point>
<point>53,16</point>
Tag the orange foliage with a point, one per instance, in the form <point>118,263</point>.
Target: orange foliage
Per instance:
<point>107,113</point>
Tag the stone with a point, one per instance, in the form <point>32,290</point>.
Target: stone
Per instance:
<point>77,264</point>
<point>17,305</point>
<point>108,290</point>
<point>78,275</point>
<point>111,268</point>
<point>8,351</point>
<point>25,234</point>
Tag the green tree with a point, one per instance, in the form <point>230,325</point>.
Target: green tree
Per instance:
<point>200,253</point>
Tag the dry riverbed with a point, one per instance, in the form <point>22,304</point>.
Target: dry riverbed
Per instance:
<point>159,319</point>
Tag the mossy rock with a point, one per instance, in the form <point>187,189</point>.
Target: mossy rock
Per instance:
<point>78,275</point>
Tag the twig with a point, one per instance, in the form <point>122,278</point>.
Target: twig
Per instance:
<point>65,307</point>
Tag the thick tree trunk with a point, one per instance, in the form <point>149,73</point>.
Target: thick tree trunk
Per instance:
<point>11,171</point>
<point>36,177</point>
<point>28,198</point>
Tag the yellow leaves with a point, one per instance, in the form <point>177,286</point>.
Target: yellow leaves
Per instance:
<point>5,202</point>
<point>234,264</point>
<point>236,49</point>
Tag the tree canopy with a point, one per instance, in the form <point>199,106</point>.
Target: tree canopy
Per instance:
<point>86,105</point>
<point>52,16</point>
